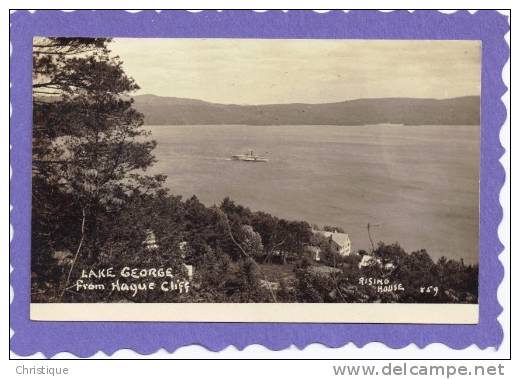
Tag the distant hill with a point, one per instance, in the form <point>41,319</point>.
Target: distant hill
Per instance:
<point>409,111</point>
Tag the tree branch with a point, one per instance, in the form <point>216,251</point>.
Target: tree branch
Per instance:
<point>226,221</point>
<point>77,252</point>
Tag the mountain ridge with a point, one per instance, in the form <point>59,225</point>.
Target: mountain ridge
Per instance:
<point>161,110</point>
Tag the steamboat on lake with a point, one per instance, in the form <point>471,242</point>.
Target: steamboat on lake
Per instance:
<point>249,157</point>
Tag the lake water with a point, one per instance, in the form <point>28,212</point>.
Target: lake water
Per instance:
<point>419,184</point>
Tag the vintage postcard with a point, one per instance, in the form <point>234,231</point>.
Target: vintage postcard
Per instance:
<point>328,177</point>
<point>259,178</point>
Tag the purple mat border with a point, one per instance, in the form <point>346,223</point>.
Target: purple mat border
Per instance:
<point>86,338</point>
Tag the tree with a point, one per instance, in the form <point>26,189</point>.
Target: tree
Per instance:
<point>251,241</point>
<point>298,234</point>
<point>89,145</point>
<point>269,229</point>
<point>333,229</point>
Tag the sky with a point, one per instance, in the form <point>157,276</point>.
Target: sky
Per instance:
<point>268,71</point>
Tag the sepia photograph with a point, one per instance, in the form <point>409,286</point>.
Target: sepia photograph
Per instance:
<point>255,171</point>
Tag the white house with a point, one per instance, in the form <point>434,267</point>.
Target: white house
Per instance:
<point>189,270</point>
<point>183,247</point>
<point>369,261</point>
<point>339,242</point>
<point>150,242</point>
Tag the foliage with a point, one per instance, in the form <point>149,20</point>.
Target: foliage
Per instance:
<point>94,208</point>
<point>89,151</point>
<point>333,229</point>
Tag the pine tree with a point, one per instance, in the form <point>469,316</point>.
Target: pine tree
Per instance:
<point>89,147</point>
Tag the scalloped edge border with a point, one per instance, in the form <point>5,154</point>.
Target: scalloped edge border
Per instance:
<point>84,339</point>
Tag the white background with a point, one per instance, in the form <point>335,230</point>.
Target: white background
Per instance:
<point>250,369</point>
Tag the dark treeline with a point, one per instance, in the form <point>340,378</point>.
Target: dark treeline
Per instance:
<point>94,207</point>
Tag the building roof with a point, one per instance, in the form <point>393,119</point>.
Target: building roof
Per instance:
<point>341,239</point>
